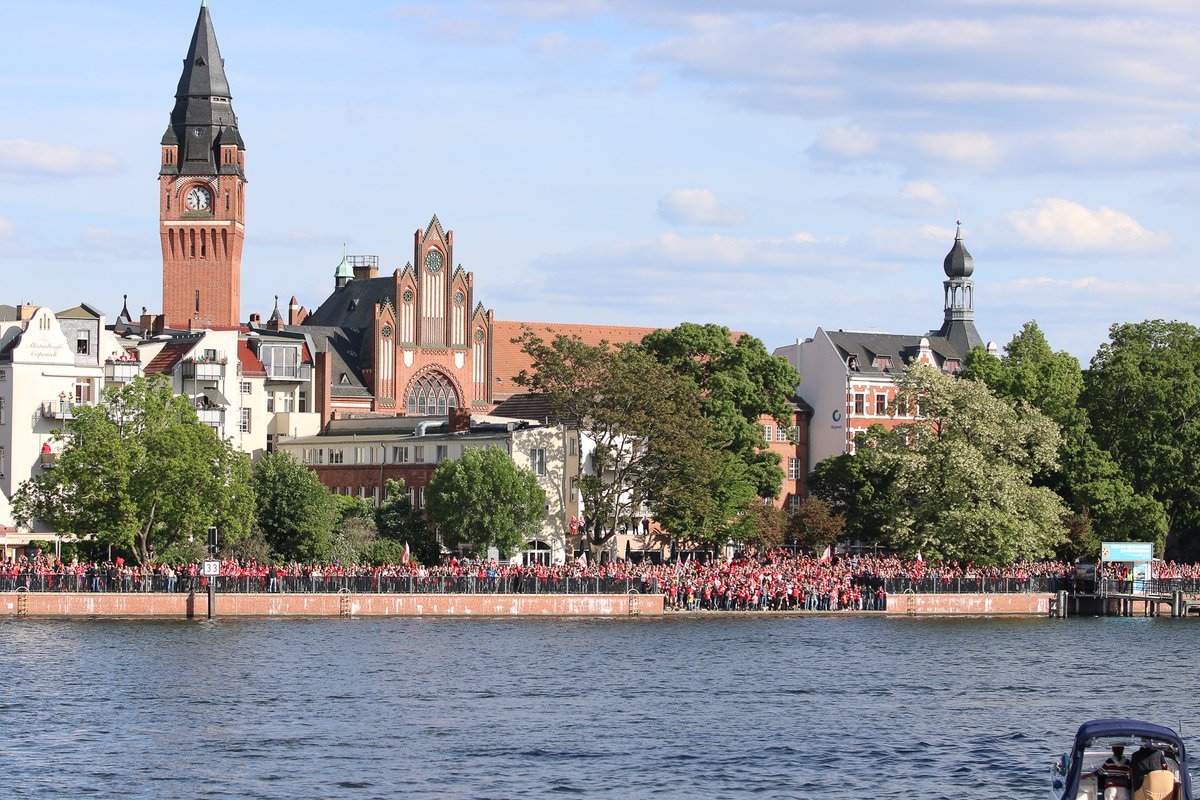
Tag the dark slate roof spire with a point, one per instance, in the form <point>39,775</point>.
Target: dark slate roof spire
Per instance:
<point>958,263</point>
<point>203,116</point>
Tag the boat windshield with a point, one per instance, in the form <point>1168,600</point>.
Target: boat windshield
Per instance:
<point>1144,754</point>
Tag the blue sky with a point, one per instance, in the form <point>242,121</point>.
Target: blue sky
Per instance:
<point>771,166</point>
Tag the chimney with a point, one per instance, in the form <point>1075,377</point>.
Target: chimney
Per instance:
<point>25,311</point>
<point>152,324</point>
<point>256,319</point>
<point>460,420</point>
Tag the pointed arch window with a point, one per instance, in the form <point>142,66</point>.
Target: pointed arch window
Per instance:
<point>431,395</point>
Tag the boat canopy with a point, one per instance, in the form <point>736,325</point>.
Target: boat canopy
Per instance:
<point>1135,731</point>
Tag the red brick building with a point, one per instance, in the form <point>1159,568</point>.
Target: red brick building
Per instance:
<point>201,193</point>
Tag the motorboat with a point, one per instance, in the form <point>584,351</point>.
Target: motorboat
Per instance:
<point>1156,756</point>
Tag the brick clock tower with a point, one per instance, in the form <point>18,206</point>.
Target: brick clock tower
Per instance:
<point>202,189</point>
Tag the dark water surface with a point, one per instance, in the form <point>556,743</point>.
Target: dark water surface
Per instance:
<point>695,707</point>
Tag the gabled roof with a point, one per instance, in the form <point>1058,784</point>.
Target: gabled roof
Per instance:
<point>508,359</point>
<point>250,362</point>
<point>344,358</point>
<point>901,349</point>
<point>353,305</point>
<point>81,311</point>
<point>169,357</point>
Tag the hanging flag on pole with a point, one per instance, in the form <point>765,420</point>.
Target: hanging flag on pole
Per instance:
<point>406,555</point>
<point>583,560</point>
<point>827,553</point>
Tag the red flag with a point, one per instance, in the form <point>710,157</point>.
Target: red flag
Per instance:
<point>920,558</point>
<point>583,560</point>
<point>827,554</point>
<point>404,558</point>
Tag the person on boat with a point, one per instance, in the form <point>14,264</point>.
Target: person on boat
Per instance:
<point>1158,784</point>
<point>1115,775</point>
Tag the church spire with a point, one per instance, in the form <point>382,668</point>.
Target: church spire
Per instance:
<point>958,325</point>
<point>203,117</point>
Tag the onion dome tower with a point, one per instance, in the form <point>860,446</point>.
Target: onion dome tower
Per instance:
<point>959,324</point>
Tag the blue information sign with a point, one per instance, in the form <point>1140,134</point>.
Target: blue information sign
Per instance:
<point>1126,551</point>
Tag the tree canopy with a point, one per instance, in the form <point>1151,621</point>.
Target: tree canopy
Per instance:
<point>485,500</point>
<point>1143,399</point>
<point>958,482</point>
<point>295,512</point>
<point>140,472</point>
<point>650,444</point>
<point>399,524</point>
<point>738,382</point>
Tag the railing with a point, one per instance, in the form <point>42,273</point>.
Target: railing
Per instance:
<point>288,372</point>
<point>203,370</point>
<point>121,371</point>
<point>939,585</point>
<point>1158,586</point>
<point>404,584</point>
<point>58,409</point>
<point>322,584</point>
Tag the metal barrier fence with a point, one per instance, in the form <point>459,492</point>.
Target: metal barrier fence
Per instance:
<point>329,584</point>
<point>526,584</point>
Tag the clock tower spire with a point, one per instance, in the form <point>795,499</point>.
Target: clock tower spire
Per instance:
<point>202,182</point>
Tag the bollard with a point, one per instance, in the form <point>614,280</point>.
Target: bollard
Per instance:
<point>1061,608</point>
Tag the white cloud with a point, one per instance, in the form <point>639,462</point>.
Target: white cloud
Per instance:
<point>914,199</point>
<point>102,241</point>
<point>697,207</point>
<point>848,142</point>
<point>1062,226</point>
<point>21,158</point>
<point>966,148</point>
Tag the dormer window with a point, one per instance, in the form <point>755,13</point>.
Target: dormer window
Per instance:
<point>952,366</point>
<point>852,363</point>
<point>882,363</point>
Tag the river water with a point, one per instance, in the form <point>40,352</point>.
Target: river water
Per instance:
<point>681,707</point>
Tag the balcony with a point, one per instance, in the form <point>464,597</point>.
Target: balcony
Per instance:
<point>121,371</point>
<point>289,372</point>
<point>59,409</point>
<point>212,417</point>
<point>203,370</point>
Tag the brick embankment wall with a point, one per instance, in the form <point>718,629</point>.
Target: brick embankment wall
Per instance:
<point>925,605</point>
<point>185,606</point>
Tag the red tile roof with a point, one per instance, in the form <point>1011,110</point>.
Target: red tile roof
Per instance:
<point>168,357</point>
<point>250,363</point>
<point>508,359</point>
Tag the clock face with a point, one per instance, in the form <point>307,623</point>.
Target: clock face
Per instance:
<point>198,198</point>
<point>434,261</point>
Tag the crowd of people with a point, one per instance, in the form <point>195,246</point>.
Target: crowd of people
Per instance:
<point>776,579</point>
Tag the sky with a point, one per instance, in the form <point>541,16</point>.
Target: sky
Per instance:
<point>766,165</point>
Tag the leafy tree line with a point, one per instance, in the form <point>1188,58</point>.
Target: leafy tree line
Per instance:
<point>674,425</point>
<point>1029,455</point>
<point>138,472</point>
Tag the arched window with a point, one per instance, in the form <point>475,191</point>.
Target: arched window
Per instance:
<point>431,395</point>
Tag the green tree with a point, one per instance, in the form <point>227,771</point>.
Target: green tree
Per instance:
<point>1087,479</point>
<point>856,486</point>
<point>294,510</point>
<point>1143,400</point>
<point>138,471</point>
<point>399,523</point>
<point>484,500</point>
<point>739,382</point>
<point>651,444</point>
<point>761,525</point>
<point>962,475</point>
<point>815,525</point>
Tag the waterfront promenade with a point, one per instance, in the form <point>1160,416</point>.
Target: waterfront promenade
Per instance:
<point>774,581</point>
